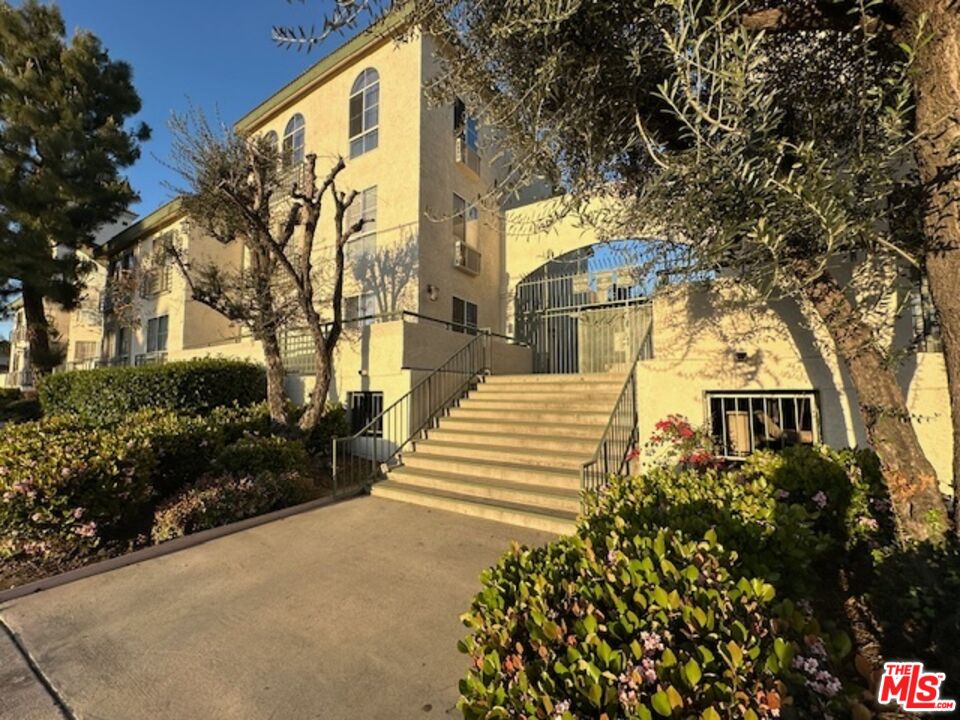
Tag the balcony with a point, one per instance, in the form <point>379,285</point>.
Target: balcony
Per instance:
<point>465,258</point>
<point>20,379</point>
<point>413,341</point>
<point>286,179</point>
<point>154,358</point>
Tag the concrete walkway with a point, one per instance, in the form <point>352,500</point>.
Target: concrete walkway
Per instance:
<point>348,611</point>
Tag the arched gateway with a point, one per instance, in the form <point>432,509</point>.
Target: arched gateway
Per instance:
<point>589,310</point>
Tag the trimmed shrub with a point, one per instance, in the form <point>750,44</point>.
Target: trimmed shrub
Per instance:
<point>253,455</point>
<point>333,423</point>
<point>768,536</point>
<point>195,387</point>
<point>219,500</point>
<point>642,626</point>
<point>68,485</point>
<point>9,395</point>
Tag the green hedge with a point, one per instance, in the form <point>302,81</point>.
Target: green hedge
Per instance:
<point>194,387</point>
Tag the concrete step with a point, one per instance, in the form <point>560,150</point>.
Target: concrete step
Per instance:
<point>597,418</point>
<point>502,491</point>
<point>543,378</point>
<point>563,478</point>
<point>511,513</point>
<point>492,384</point>
<point>532,402</point>
<point>488,423</point>
<point>508,393</point>
<point>504,453</point>
<point>546,442</point>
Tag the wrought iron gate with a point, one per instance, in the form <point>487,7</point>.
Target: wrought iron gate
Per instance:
<point>584,312</point>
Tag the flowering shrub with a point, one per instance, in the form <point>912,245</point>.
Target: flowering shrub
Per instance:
<point>218,500</point>
<point>623,625</point>
<point>675,442</point>
<point>62,491</point>
<point>67,485</point>
<point>842,489</point>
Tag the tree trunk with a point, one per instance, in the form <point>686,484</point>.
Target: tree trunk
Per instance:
<point>909,476</point>
<point>321,389</point>
<point>276,394</point>
<point>38,331</point>
<point>937,86</point>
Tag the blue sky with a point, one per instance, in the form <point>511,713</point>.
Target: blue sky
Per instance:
<point>216,54</point>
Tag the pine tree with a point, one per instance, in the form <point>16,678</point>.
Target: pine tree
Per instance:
<point>64,104</point>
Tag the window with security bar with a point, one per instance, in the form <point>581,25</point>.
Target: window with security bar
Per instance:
<point>742,422</point>
<point>364,406</point>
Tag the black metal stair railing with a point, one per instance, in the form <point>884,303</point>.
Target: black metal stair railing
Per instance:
<point>378,445</point>
<point>622,432</point>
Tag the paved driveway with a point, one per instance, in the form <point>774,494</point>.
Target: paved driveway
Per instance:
<point>348,611</point>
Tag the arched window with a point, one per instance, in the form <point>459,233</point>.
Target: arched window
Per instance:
<point>293,142</point>
<point>364,112</point>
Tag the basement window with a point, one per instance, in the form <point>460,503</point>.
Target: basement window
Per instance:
<point>365,405</point>
<point>742,422</point>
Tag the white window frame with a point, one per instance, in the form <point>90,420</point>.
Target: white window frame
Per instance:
<point>364,306</point>
<point>364,106</point>
<point>294,150</point>
<point>363,242</point>
<point>153,335</point>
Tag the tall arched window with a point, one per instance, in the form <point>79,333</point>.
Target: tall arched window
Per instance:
<point>293,142</point>
<point>364,112</point>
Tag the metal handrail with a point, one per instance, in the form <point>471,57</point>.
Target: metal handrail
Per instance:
<point>621,433</point>
<point>382,440</point>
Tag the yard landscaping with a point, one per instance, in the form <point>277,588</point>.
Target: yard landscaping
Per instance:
<point>123,458</point>
<point>768,589</point>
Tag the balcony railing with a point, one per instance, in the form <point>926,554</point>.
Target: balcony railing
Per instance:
<point>20,378</point>
<point>296,344</point>
<point>155,358</point>
<point>286,178</point>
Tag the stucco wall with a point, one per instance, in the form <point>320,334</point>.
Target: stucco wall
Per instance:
<point>699,329</point>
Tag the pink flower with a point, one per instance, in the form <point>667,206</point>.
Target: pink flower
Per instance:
<point>86,530</point>
<point>820,499</point>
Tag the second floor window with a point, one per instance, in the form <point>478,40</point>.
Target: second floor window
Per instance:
<point>294,142</point>
<point>157,334</point>
<point>364,112</point>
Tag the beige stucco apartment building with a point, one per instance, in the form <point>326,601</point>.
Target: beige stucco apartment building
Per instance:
<point>450,266</point>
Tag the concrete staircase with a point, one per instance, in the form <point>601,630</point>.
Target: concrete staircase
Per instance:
<point>511,451</point>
